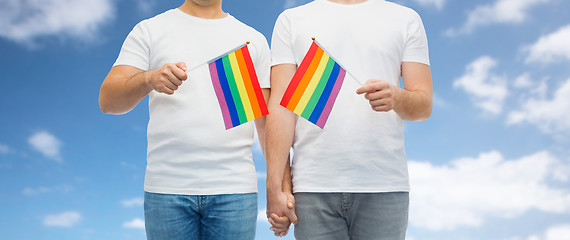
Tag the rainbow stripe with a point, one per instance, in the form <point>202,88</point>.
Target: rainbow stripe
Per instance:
<point>313,90</point>
<point>237,88</point>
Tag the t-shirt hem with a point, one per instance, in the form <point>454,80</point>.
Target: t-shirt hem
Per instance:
<point>198,191</point>
<point>277,62</point>
<point>139,66</point>
<point>351,190</point>
<point>417,60</point>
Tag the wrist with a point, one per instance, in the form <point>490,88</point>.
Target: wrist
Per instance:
<point>397,93</point>
<point>273,188</point>
<point>146,80</point>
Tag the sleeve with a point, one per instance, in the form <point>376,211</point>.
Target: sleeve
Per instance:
<point>262,62</point>
<point>416,49</point>
<point>136,49</point>
<point>281,41</point>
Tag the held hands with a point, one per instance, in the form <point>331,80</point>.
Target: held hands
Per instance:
<point>281,212</point>
<point>382,96</point>
<point>167,78</point>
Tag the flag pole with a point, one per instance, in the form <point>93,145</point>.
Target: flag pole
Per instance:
<point>216,58</point>
<point>194,68</point>
<point>346,70</point>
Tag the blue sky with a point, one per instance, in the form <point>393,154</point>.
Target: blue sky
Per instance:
<point>492,162</point>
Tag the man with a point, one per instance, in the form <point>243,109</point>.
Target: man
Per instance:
<point>200,179</point>
<point>350,179</point>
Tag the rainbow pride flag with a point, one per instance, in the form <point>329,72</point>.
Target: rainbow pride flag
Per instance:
<point>237,87</point>
<point>313,90</point>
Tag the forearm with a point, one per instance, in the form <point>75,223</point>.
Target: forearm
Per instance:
<point>121,92</point>
<point>279,138</point>
<point>280,128</point>
<point>260,123</point>
<point>414,101</point>
<point>413,105</point>
<point>279,135</point>
<point>287,184</point>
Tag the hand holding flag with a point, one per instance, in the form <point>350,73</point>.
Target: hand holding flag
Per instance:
<point>167,78</point>
<point>381,95</point>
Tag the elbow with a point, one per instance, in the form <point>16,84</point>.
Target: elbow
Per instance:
<point>104,108</point>
<point>426,110</point>
<point>424,117</point>
<point>425,114</point>
<point>418,116</point>
<point>107,108</point>
<point>108,105</point>
<point>103,104</point>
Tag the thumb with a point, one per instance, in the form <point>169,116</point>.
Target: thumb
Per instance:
<point>182,66</point>
<point>290,201</point>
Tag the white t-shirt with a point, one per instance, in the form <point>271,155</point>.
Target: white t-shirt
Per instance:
<point>189,150</point>
<point>359,150</point>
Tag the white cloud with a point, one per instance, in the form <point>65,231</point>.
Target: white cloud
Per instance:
<point>262,216</point>
<point>24,21</point>
<point>501,11</point>
<point>47,144</point>
<point>145,6</point>
<point>36,191</point>
<point>135,223</point>
<point>525,87</point>
<point>293,3</point>
<point>256,148</point>
<point>290,4</point>
<point>261,175</point>
<point>550,48</point>
<point>128,165</point>
<point>4,149</point>
<point>550,115</point>
<point>523,81</point>
<point>560,232</point>
<point>40,190</point>
<point>65,219</point>
<point>439,102</point>
<point>133,202</point>
<point>439,4</point>
<point>487,89</point>
<point>468,190</point>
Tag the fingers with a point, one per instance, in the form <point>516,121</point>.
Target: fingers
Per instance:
<point>180,71</point>
<point>175,74</point>
<point>372,85</point>
<point>182,66</point>
<point>379,94</point>
<point>280,222</point>
<point>290,201</point>
<point>279,233</point>
<point>169,78</point>
<point>292,217</point>
<point>280,225</point>
<point>291,206</point>
<point>383,101</point>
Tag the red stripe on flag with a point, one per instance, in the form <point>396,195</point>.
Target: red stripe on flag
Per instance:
<point>254,81</point>
<point>299,74</point>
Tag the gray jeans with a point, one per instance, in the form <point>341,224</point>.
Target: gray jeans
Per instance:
<point>354,216</point>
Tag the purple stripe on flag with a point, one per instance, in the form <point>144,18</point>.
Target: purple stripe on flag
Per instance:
<point>328,108</point>
<point>220,95</point>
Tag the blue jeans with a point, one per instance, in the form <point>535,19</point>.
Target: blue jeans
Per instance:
<point>188,217</point>
<point>355,216</point>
